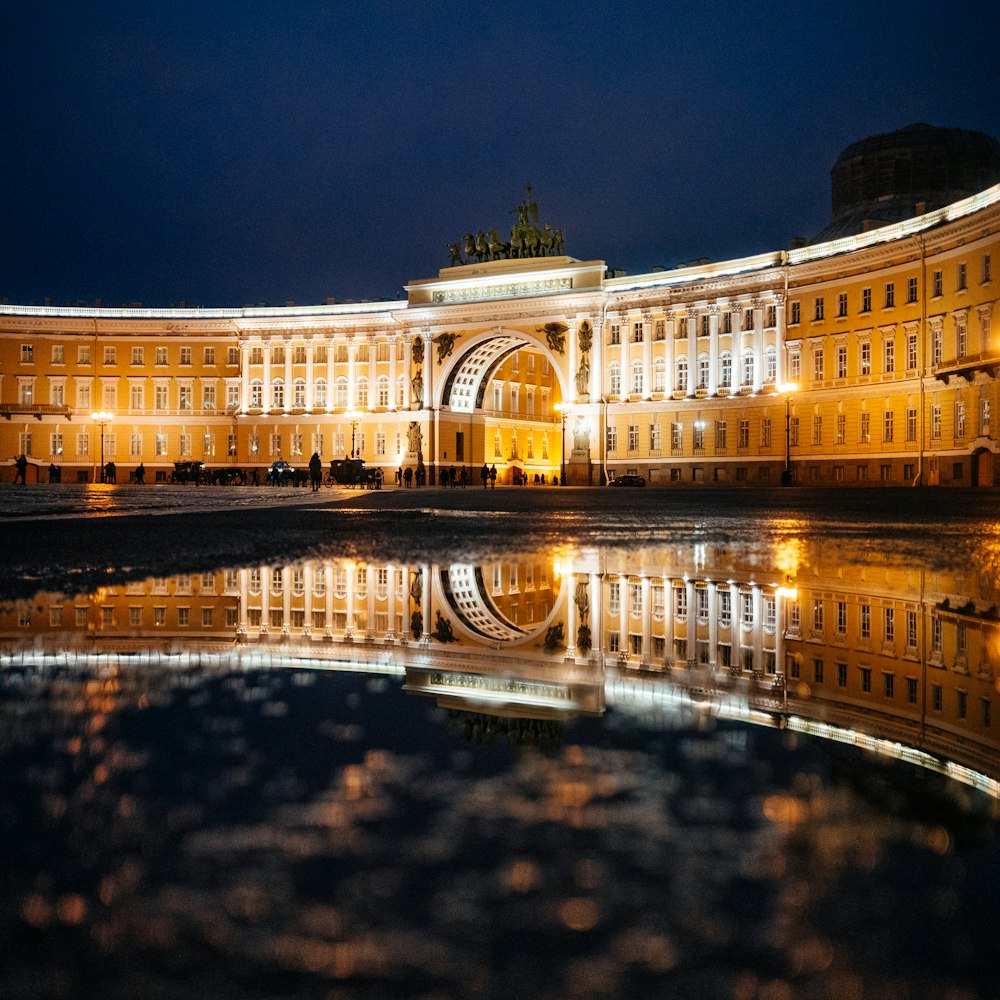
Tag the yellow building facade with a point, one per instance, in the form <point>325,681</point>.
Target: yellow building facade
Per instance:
<point>867,360</point>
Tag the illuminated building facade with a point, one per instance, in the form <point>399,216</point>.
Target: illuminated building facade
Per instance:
<point>909,657</point>
<point>870,359</point>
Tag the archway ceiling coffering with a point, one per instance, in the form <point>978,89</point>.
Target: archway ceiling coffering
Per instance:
<point>467,381</point>
<point>466,593</point>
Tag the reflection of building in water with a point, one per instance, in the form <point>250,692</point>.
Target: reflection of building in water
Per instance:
<point>907,654</point>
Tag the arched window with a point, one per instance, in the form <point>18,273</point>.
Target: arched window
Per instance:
<point>319,390</point>
<point>401,391</point>
<point>256,394</point>
<point>382,390</point>
<point>725,370</point>
<point>615,372</point>
<point>362,391</point>
<point>299,394</point>
<point>748,367</point>
<point>278,394</point>
<point>770,365</point>
<point>704,369</point>
<point>340,392</point>
<point>637,380</point>
<point>681,375</point>
<point>659,375</point>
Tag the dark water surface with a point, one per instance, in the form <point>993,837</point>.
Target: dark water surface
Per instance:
<point>234,770</point>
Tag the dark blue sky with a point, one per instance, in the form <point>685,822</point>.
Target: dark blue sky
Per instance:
<point>228,153</point>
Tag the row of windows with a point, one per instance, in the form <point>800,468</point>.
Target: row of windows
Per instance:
<point>109,355</point>
<point>684,325</point>
<point>888,300</point>
<point>682,382</point>
<point>724,606</point>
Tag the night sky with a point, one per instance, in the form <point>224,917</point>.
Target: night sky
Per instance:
<point>223,154</point>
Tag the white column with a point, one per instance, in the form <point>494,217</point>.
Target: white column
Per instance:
<point>372,373</point>
<point>692,352</point>
<point>370,628</point>
<point>692,622</point>
<point>244,595</point>
<point>647,620</point>
<point>625,335</point>
<point>713,350</point>
<point>393,373</point>
<point>244,376</point>
<point>307,580</point>
<point>352,373</point>
<point>597,366</point>
<point>390,635</point>
<point>310,374</point>
<point>286,600</point>
<point>713,626</point>
<point>623,615</point>
<point>736,339</point>
<point>407,368</point>
<point>288,374</point>
<point>573,361</point>
<point>570,582</point>
<point>779,339</point>
<point>425,602</point>
<point>596,618</point>
<point>668,354</point>
<point>352,577</point>
<point>758,628</point>
<point>267,376</point>
<point>758,344</point>
<point>328,573</point>
<point>736,626</point>
<point>668,621</point>
<point>331,373</point>
<point>647,356</point>
<point>265,600</point>
<point>428,370</point>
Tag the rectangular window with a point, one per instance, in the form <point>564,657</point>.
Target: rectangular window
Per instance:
<point>889,625</point>
<point>841,617</point>
<point>58,354</point>
<point>866,680</point>
<point>959,420</point>
<point>232,356</point>
<point>185,355</point>
<point>818,309</point>
<point>842,675</point>
<point>889,352</point>
<point>937,284</point>
<point>911,690</point>
<point>817,616</point>
<point>743,440</point>
<point>936,422</point>
<point>83,355</point>
<point>911,351</point>
<point>864,428</point>
<point>961,277</point>
<point>866,300</point>
<point>842,304</point>
<point>841,428</point>
<point>890,294</point>
<point>887,425</point>
<point>616,334</point>
<point>765,432</point>
<point>818,364</point>
<point>796,313</point>
<point>842,361</point>
<point>676,437</point>
<point>911,290</point>
<point>161,356</point>
<point>911,423</point>
<point>986,272</point>
<point>866,359</point>
<point>109,356</point>
<point>136,356</point>
<point>612,437</point>
<point>817,670</point>
<point>720,435</point>
<point>654,437</point>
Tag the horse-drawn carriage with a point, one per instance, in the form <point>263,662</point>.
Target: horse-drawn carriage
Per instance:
<point>195,472</point>
<point>188,472</point>
<point>282,474</point>
<point>352,472</point>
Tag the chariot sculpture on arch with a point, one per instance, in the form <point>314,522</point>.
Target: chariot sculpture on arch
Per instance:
<point>527,239</point>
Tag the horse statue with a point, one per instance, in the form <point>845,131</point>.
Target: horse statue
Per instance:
<point>531,235</point>
<point>516,244</point>
<point>482,248</point>
<point>456,253</point>
<point>470,246</point>
<point>545,240</point>
<point>557,242</point>
<point>497,247</point>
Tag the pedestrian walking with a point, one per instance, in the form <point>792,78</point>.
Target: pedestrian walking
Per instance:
<point>316,471</point>
<point>493,477</point>
<point>21,465</point>
<point>484,474</point>
<point>140,474</point>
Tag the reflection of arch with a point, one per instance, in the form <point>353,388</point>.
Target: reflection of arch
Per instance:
<point>982,467</point>
<point>464,383</point>
<point>466,592</point>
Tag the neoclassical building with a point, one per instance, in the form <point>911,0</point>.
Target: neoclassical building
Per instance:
<point>868,359</point>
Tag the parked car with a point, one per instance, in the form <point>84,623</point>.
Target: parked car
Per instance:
<point>629,479</point>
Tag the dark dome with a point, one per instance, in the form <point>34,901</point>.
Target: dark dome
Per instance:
<point>895,176</point>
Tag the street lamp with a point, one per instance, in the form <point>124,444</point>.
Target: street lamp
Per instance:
<point>103,418</point>
<point>786,390</point>
<point>353,416</point>
<point>563,410</point>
